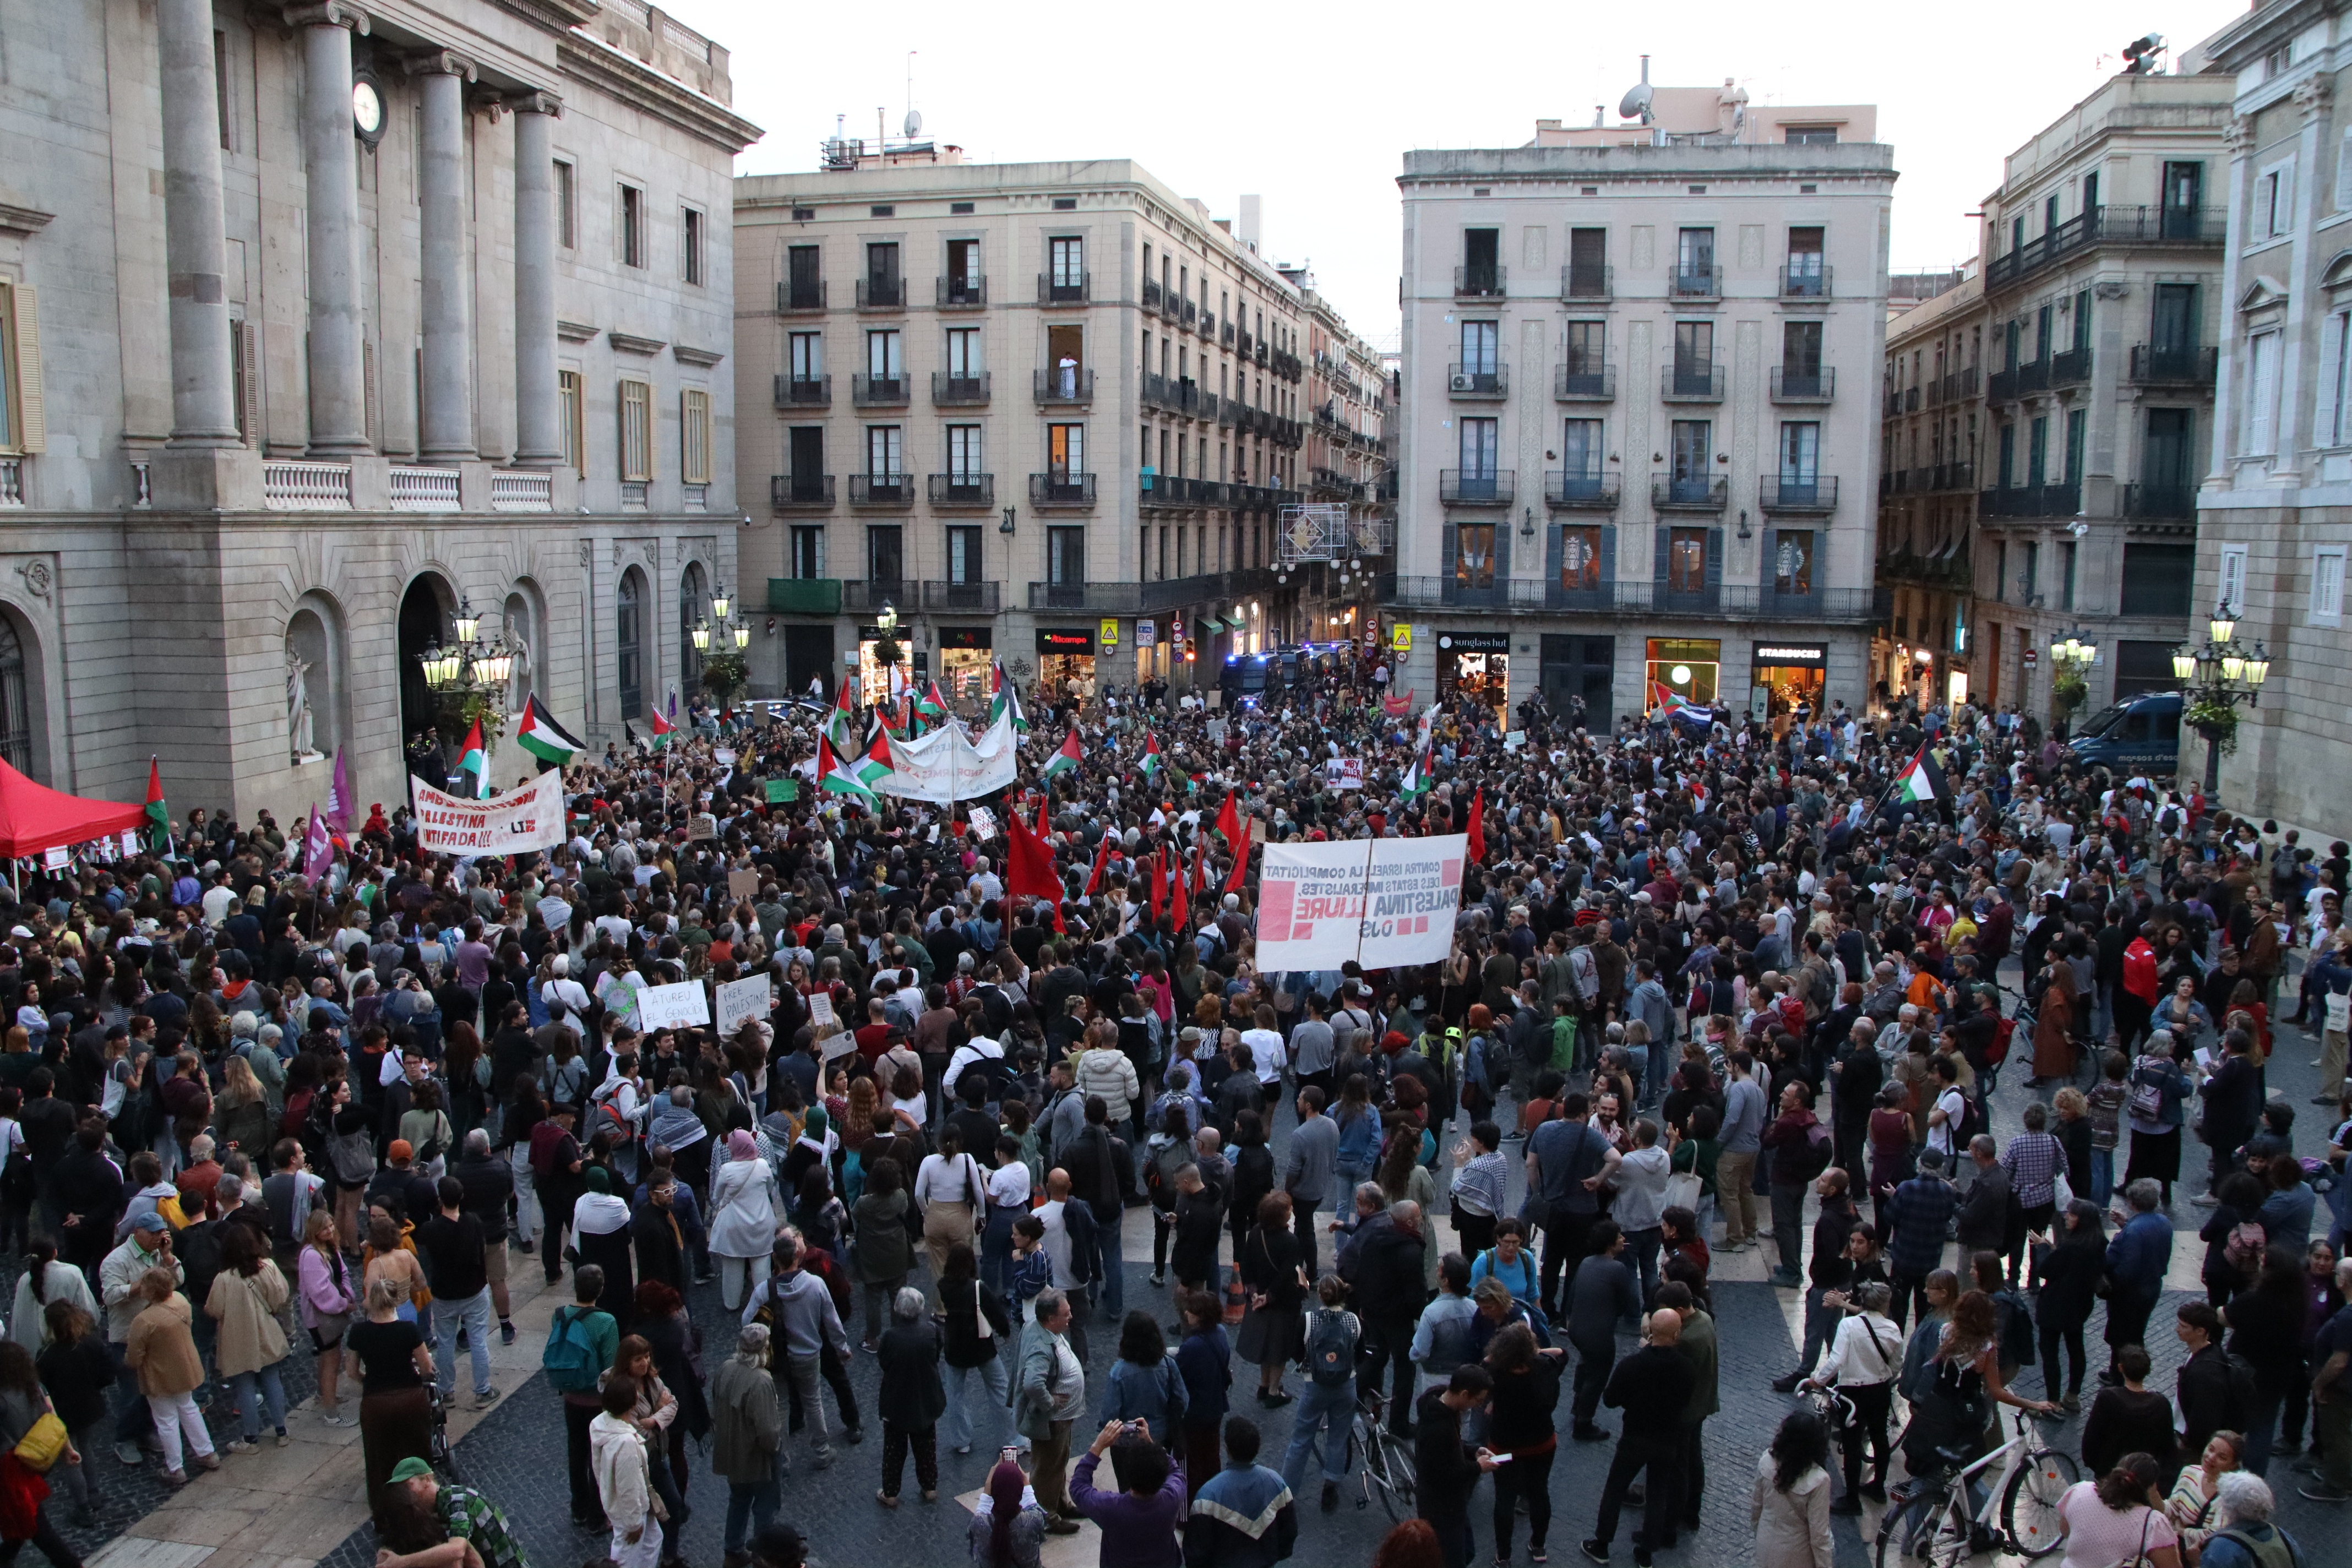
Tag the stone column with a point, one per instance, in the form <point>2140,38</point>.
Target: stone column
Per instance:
<point>447,394</point>
<point>204,405</point>
<point>330,162</point>
<point>539,440</point>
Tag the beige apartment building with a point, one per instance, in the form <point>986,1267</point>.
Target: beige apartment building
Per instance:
<point>2103,300</point>
<point>1347,465</point>
<point>323,325</point>
<point>1046,412</point>
<point>1934,405</point>
<point>2275,515</point>
<point>1639,440</point>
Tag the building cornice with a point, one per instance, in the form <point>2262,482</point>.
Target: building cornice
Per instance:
<point>685,355</point>
<point>2259,31</point>
<point>1842,163</point>
<point>23,220</point>
<point>629,344</point>
<point>555,15</point>
<point>587,59</point>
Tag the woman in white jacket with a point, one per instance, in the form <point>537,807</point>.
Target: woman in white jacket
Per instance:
<point>617,1456</point>
<point>744,1210</point>
<point>1790,1507</point>
<point>45,1282</point>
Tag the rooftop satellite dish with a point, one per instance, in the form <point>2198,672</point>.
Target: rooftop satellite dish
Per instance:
<point>1635,105</point>
<point>914,125</point>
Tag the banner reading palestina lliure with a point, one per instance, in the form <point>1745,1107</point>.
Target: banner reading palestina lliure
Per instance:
<point>1381,902</point>
<point>526,819</point>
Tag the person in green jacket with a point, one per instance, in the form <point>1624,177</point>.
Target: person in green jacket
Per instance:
<point>747,1434</point>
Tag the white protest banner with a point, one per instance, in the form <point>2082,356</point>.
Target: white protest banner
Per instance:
<point>742,884</point>
<point>530,817</point>
<point>682,1005</point>
<point>1343,773</point>
<point>1380,902</point>
<point>983,823</point>
<point>840,1045</point>
<point>742,1002</point>
<point>821,1010</point>
<point>944,767</point>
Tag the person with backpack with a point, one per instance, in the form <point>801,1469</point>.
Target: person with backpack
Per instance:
<point>2155,1091</point>
<point>2243,1535</point>
<point>556,1174</point>
<point>581,1341</point>
<point>1333,1339</point>
<point>2233,1237</point>
<point>805,1323</point>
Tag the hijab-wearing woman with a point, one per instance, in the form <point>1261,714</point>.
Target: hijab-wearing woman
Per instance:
<point>745,1216</point>
<point>1008,1527</point>
<point>600,1228</point>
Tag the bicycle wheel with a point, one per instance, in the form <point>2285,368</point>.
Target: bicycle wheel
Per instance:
<point>1395,1465</point>
<point>2029,1504</point>
<point>1923,1530</point>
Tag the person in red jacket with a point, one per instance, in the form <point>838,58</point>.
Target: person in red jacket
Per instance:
<point>2135,999</point>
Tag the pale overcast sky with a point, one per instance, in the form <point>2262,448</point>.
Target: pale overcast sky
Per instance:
<point>1313,107</point>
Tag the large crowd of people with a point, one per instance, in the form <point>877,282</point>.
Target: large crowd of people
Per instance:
<point>1713,987</point>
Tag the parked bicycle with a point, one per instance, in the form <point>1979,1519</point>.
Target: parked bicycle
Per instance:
<point>1387,1459</point>
<point>1935,1519</point>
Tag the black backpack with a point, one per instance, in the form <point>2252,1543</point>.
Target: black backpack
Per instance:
<point>995,1009</point>
<point>1331,1339</point>
<point>198,1248</point>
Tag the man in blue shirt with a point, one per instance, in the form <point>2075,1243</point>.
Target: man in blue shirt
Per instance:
<point>1568,1164</point>
<point>1915,1218</point>
<point>2137,1259</point>
<point>1744,1110</point>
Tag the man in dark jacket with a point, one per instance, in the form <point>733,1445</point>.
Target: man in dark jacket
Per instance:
<point>489,1182</point>
<point>1984,1212</point>
<point>1856,1077</point>
<point>1601,1293</point>
<point>1383,1265</point>
<point>1652,1388</point>
<point>1102,1172</point>
<point>87,1191</point>
<point>1446,1468</point>
<point>2209,1403</point>
<point>1913,1219</point>
<point>1244,1516</point>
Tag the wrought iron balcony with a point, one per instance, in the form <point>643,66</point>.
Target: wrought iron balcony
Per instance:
<point>2030,500</point>
<point>803,392</point>
<point>1151,294</point>
<point>1171,305</point>
<point>1478,380</point>
<point>962,489</point>
<point>1670,494</point>
<point>979,596</point>
<point>2160,502</point>
<point>802,297</point>
<point>881,293</point>
<point>2071,368</point>
<point>881,489</point>
<point>1064,387</point>
<point>1692,384</point>
<point>1062,490</point>
<point>1586,280</point>
<point>791,491</point>
<point>1225,334</point>
<point>1187,312</point>
<point>1696,283</point>
<point>1806,280</point>
<point>873,594</point>
<point>1069,288</point>
<point>1208,324</point>
<point>2168,225</point>
<point>1483,487</point>
<point>1483,282</point>
<point>1581,491</point>
<point>1595,386</point>
<point>1818,385</point>
<point>959,390</point>
<point>879,391</point>
<point>1741,600</point>
<point>1960,384</point>
<point>1780,494</point>
<point>962,293</point>
<point>2154,364</point>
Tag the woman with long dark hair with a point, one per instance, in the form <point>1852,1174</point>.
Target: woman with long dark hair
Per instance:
<point>2119,1517</point>
<point>2071,1270</point>
<point>1789,1507</point>
<point>1522,1422</point>
<point>2266,1325</point>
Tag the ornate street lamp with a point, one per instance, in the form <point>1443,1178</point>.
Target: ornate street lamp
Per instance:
<point>471,671</point>
<point>2214,680</point>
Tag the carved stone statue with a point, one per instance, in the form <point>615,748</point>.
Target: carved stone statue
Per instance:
<point>298,722</point>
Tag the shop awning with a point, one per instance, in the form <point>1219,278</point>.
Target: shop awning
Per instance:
<point>34,817</point>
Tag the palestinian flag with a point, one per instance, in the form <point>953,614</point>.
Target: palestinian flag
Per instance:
<point>1922,780</point>
<point>834,774</point>
<point>1416,782</point>
<point>932,705</point>
<point>1150,766</point>
<point>839,727</point>
<point>662,728</point>
<point>159,811</point>
<point>1002,700</point>
<point>876,764</point>
<point>542,737</point>
<point>1065,759</point>
<point>474,760</point>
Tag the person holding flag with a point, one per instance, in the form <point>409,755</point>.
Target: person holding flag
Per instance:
<point>537,732</point>
<point>474,765</point>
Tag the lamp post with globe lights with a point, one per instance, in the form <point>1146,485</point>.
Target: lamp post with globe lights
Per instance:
<point>470,674</point>
<point>2214,680</point>
<point>2072,654</point>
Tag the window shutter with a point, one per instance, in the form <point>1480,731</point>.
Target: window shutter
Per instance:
<point>2331,356</point>
<point>248,350</point>
<point>1663,537</point>
<point>1555,537</point>
<point>1503,557</point>
<point>1715,558</point>
<point>32,421</point>
<point>1448,561</point>
<point>1608,555</point>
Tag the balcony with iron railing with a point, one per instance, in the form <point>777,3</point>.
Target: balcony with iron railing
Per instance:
<point>1960,384</point>
<point>2167,365</point>
<point>1580,491</point>
<point>881,293</point>
<point>803,392</point>
<point>1688,283</point>
<point>1067,289</point>
<point>1171,305</point>
<point>1062,490</point>
<point>800,299</point>
<point>1955,475</point>
<point>2160,226</point>
<point>952,391</point>
<point>1670,494</point>
<point>1584,281</point>
<point>891,490</point>
<point>1816,385</point>
<point>1264,351</point>
<point>1911,400</point>
<point>1742,601</point>
<point>1066,386</point>
<point>2071,368</point>
<point>1478,380</point>
<point>960,490</point>
<point>790,492</point>
<point>1481,282</point>
<point>1805,280</point>
<point>1208,323</point>
<point>872,594</point>
<point>866,391</point>
<point>1691,383</point>
<point>2008,385</point>
<point>1476,486</point>
<point>1782,494</point>
<point>1597,385</point>
<point>2161,503</point>
<point>1187,312</point>
<point>1230,412</point>
<point>1242,342</point>
<point>967,293</point>
<point>1151,294</point>
<point>1225,334</point>
<point>2030,500</point>
<point>977,596</point>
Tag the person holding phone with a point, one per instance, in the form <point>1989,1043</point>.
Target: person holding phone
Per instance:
<point>1138,1521</point>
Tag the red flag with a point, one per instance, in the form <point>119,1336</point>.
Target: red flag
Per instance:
<point>1044,814</point>
<point>1229,820</point>
<point>1029,868</point>
<point>1476,828</point>
<point>1181,907</point>
<point>1240,867</point>
<point>1102,859</point>
<point>1159,886</point>
<point>1200,870</point>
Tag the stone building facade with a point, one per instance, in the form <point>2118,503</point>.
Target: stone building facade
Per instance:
<point>1934,393</point>
<point>323,321</point>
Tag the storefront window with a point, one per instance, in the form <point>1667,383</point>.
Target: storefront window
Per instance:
<point>963,659</point>
<point>1065,661</point>
<point>1690,667</point>
<point>1477,665</point>
<point>1789,675</point>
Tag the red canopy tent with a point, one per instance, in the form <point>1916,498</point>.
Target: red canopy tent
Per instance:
<point>34,817</point>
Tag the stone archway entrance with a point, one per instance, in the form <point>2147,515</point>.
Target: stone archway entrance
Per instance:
<point>425,612</point>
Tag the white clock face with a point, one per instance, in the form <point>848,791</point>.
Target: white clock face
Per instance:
<point>367,108</point>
